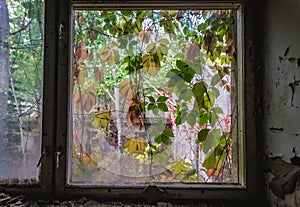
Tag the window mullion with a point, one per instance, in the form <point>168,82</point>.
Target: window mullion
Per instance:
<point>63,28</point>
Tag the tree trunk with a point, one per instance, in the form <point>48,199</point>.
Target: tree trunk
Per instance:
<point>4,67</point>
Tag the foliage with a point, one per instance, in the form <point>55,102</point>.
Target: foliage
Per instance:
<point>173,63</point>
<point>26,60</point>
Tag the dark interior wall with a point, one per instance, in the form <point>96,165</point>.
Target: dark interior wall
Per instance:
<point>282,78</point>
<point>280,127</point>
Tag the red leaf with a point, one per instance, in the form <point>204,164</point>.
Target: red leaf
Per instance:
<point>80,52</point>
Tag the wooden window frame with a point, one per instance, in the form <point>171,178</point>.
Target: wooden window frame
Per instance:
<point>53,174</point>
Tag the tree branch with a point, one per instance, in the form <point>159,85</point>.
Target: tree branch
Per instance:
<point>22,28</point>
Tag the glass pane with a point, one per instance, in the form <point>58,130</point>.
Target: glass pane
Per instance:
<point>21,84</point>
<point>152,97</point>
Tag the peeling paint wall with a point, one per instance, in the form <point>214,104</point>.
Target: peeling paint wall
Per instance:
<point>281,94</point>
<point>282,78</point>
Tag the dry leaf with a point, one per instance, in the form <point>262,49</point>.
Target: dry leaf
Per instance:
<point>193,51</point>
<point>209,41</point>
<point>145,36</point>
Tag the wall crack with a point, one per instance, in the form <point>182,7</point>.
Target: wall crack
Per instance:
<point>276,129</point>
<point>293,86</point>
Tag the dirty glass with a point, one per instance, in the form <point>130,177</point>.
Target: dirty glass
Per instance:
<point>21,84</point>
<point>153,97</point>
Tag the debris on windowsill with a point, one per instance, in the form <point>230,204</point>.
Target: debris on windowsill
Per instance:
<point>7,200</point>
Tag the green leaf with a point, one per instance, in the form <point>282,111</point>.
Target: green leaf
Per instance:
<point>186,30</point>
<point>162,99</point>
<point>185,93</point>
<point>204,119</point>
<point>27,5</point>
<point>143,106</point>
<point>163,107</point>
<point>165,139</point>
<point>213,119</point>
<point>212,140</point>
<point>160,125</point>
<point>158,139</point>
<point>217,110</point>
<point>178,119</point>
<point>223,140</point>
<point>151,106</point>
<point>161,157</point>
<point>202,135</point>
<point>153,147</point>
<point>174,81</point>
<point>191,119</point>
<point>209,161</point>
<point>177,167</point>
<point>199,89</point>
<point>155,111</point>
<point>151,99</point>
<point>126,13</point>
<point>214,92</point>
<point>206,102</point>
<point>187,164</point>
<point>153,133</point>
<point>186,72</point>
<point>190,172</point>
<point>168,133</point>
<point>172,73</point>
<point>219,150</point>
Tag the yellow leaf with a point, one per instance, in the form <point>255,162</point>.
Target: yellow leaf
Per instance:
<point>218,169</point>
<point>151,64</point>
<point>104,56</point>
<point>136,146</point>
<point>113,57</point>
<point>131,146</point>
<point>82,75</point>
<point>88,161</point>
<point>104,49</point>
<point>162,49</point>
<point>142,144</point>
<point>101,119</point>
<point>96,156</point>
<point>151,47</point>
<point>164,41</point>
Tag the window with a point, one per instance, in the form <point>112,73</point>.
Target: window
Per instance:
<point>151,97</point>
<point>144,97</point>
<point>21,84</point>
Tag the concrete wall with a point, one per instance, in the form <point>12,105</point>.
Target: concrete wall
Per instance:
<point>281,94</point>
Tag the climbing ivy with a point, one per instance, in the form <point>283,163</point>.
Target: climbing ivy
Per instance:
<point>174,62</point>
